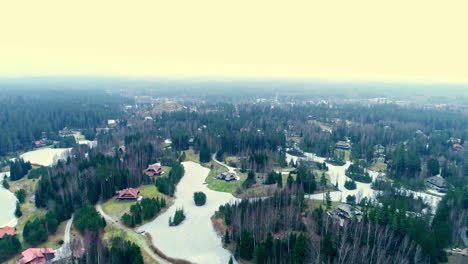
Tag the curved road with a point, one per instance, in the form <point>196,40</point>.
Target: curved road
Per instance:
<point>231,169</point>
<point>140,240</point>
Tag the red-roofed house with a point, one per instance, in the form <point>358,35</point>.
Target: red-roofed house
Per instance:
<point>7,231</point>
<point>36,256</point>
<point>154,170</point>
<point>458,148</point>
<point>39,144</point>
<point>128,194</point>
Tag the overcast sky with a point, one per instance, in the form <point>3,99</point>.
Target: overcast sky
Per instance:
<point>398,40</point>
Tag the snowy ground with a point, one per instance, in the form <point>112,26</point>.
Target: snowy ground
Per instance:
<point>195,239</point>
<point>337,174</point>
<point>45,156</point>
<point>90,143</point>
<point>8,206</point>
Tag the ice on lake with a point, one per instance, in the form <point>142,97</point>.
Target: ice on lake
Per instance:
<point>194,239</point>
<point>45,156</point>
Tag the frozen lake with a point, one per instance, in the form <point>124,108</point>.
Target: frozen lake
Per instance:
<point>195,239</point>
<point>8,206</point>
<point>45,156</point>
<point>337,174</point>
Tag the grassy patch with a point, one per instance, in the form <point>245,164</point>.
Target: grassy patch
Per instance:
<point>116,209</point>
<point>150,191</point>
<point>378,166</point>
<point>166,170</point>
<point>222,186</point>
<point>232,159</point>
<point>54,239</point>
<point>191,156</point>
<point>312,204</point>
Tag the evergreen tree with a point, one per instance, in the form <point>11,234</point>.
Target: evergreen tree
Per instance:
<point>5,184</point>
<point>21,195</point>
<point>18,212</point>
<point>205,154</point>
<point>227,238</point>
<point>328,200</point>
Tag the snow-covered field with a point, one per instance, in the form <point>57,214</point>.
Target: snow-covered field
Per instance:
<point>337,174</point>
<point>90,143</point>
<point>45,156</point>
<point>194,239</point>
<point>8,205</point>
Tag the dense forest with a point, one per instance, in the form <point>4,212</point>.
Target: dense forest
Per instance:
<point>30,115</point>
<point>281,227</point>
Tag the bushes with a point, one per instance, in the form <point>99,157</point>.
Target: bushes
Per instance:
<point>35,231</point>
<point>88,218</point>
<point>250,180</point>
<point>179,217</point>
<point>144,210</point>
<point>350,185</point>
<point>199,198</point>
<point>36,173</point>
<point>21,195</point>
<point>167,185</point>
<point>19,168</point>
<point>358,173</point>
<point>122,252</point>
<point>5,184</point>
<point>9,246</point>
<point>18,212</point>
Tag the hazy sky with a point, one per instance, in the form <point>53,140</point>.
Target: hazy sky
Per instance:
<point>397,40</point>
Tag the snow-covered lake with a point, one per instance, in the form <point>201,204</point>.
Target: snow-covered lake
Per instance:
<point>194,239</point>
<point>8,206</point>
<point>45,156</point>
<point>337,174</point>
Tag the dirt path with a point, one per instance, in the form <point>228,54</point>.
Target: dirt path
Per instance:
<point>231,169</point>
<point>139,239</point>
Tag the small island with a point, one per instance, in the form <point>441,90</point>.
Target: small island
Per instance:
<point>199,198</point>
<point>179,217</point>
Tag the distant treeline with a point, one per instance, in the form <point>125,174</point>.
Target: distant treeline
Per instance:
<point>25,115</point>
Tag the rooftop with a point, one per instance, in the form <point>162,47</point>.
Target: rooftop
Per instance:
<point>7,231</point>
